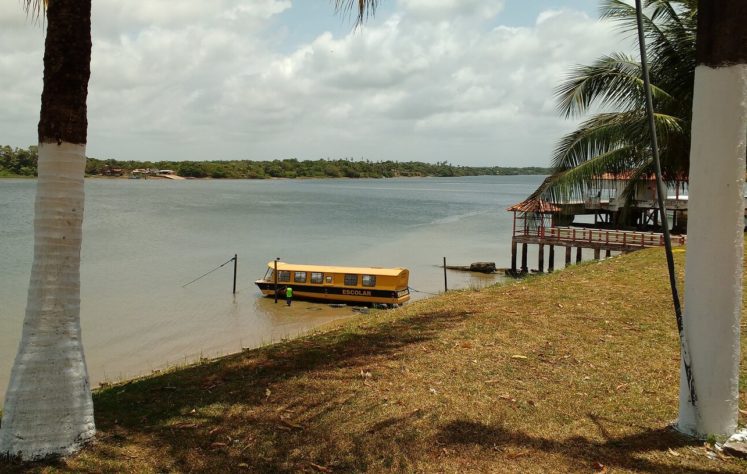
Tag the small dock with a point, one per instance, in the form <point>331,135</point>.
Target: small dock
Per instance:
<point>579,238</point>
<point>544,222</point>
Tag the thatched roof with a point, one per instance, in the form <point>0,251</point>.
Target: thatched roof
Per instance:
<point>535,205</point>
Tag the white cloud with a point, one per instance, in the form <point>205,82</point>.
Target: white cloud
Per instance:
<point>450,9</point>
<point>203,80</point>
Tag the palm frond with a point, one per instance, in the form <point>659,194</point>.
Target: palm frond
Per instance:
<point>363,8</point>
<point>596,136</point>
<point>575,182</point>
<point>664,10</point>
<point>614,143</point>
<point>614,81</point>
<point>605,132</point>
<point>35,8</point>
<point>664,37</point>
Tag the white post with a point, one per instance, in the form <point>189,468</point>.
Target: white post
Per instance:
<point>713,283</point>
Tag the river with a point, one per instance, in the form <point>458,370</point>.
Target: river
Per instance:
<point>144,239</point>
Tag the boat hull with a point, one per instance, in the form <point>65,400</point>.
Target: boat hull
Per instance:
<point>336,294</point>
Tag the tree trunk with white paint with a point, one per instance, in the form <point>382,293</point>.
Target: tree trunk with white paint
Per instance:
<point>48,410</point>
<point>713,283</point>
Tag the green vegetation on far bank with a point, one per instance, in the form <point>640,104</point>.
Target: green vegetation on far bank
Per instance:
<point>20,162</point>
<point>566,372</point>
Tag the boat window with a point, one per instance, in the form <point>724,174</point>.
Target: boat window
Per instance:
<point>299,277</point>
<point>284,275</point>
<point>369,280</point>
<point>317,277</point>
<point>351,280</point>
<point>329,279</point>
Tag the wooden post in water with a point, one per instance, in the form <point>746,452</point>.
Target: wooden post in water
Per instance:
<point>551,263</point>
<point>578,254</point>
<point>597,252</point>
<point>513,256</point>
<point>524,267</point>
<point>446,288</point>
<point>235,264</point>
<point>541,258</point>
<point>607,253</point>
<point>568,251</point>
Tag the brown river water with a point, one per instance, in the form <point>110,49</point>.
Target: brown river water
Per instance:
<point>143,240</point>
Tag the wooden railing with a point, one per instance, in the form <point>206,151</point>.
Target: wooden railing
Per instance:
<point>580,235</point>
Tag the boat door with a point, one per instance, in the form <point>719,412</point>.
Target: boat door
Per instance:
<point>329,281</point>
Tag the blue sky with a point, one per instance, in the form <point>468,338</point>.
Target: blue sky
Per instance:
<point>465,81</point>
<point>301,23</point>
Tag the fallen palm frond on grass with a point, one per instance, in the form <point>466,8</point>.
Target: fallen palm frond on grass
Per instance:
<point>576,371</point>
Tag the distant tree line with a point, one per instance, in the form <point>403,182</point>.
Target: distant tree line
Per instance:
<point>22,162</point>
<point>17,161</point>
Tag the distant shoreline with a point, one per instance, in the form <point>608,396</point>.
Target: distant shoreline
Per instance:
<point>22,162</point>
<point>300,178</point>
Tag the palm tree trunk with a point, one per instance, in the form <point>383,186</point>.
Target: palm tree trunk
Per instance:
<point>48,409</point>
<point>713,283</point>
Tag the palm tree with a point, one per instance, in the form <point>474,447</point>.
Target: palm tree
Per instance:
<point>48,410</point>
<point>616,139</point>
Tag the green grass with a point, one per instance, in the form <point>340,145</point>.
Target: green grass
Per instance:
<point>576,371</point>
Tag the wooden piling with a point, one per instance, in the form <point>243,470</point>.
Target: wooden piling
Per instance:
<point>513,256</point>
<point>541,258</point>
<point>568,251</point>
<point>551,263</point>
<point>596,253</point>
<point>607,253</point>
<point>524,267</point>
<point>578,254</point>
<point>446,287</point>
<point>235,265</point>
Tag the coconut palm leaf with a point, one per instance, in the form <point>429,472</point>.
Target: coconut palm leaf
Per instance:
<point>606,132</point>
<point>612,81</point>
<point>363,8</point>
<point>617,140</point>
<point>574,183</point>
<point>667,39</point>
<point>34,8</point>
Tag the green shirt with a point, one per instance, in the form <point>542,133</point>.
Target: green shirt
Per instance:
<point>289,292</point>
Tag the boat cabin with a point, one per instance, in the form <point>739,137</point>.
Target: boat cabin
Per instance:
<point>370,285</point>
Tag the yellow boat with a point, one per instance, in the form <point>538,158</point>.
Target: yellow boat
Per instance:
<point>371,285</point>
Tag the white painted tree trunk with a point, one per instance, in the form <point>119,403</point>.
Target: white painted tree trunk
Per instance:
<point>713,283</point>
<point>48,408</point>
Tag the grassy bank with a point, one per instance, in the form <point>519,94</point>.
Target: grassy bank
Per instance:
<point>571,372</point>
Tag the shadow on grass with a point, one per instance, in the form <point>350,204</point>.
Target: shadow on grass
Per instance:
<point>176,416</point>
<point>613,452</point>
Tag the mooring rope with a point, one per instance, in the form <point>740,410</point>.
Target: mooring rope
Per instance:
<point>208,273</point>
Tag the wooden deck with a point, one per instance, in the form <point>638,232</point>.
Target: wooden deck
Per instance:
<point>582,238</point>
<point>616,240</point>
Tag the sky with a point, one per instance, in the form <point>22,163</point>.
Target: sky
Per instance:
<point>469,82</point>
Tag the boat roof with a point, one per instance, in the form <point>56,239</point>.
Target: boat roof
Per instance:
<point>335,269</point>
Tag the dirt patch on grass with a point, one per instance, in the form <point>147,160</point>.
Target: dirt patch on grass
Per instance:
<point>576,371</point>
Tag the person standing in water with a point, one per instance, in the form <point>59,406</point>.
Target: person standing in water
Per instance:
<point>288,295</point>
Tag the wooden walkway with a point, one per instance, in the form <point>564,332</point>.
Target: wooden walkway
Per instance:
<point>581,238</point>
